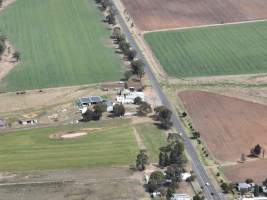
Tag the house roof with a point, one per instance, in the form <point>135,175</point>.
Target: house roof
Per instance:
<point>2,122</point>
<point>180,197</point>
<point>90,99</point>
<point>244,186</point>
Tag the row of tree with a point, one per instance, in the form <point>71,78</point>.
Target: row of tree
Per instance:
<point>137,65</point>
<point>96,112</point>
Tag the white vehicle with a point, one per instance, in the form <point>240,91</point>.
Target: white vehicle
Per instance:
<point>207,184</point>
<point>180,133</point>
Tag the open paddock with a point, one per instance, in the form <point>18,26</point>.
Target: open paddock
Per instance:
<point>152,15</point>
<point>240,172</point>
<point>229,126</point>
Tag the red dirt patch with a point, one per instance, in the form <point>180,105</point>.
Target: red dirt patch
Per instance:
<point>229,126</point>
<point>239,173</point>
<point>164,14</point>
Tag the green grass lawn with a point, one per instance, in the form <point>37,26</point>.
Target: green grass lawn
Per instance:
<point>62,42</point>
<point>153,139</point>
<point>222,50</point>
<point>115,144</point>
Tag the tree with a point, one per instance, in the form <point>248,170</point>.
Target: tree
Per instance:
<point>170,192</point>
<point>256,151</point>
<point>144,108</point>
<point>155,181</point>
<point>2,47</point>
<point>137,100</point>
<point>120,37</point>
<point>138,67</point>
<point>116,33</point>
<point>196,135</point>
<point>173,172</point>
<point>128,74</point>
<point>131,54</point>
<point>249,180</point>
<point>198,197</point>
<point>173,153</point>
<point>164,116</point>
<point>111,19</point>
<point>124,46</point>
<point>264,183</point>
<point>1,3</point>
<point>118,110</point>
<point>227,187</point>
<point>256,190</point>
<point>16,55</point>
<point>105,4</point>
<point>142,160</point>
<point>88,115</point>
<point>98,110</point>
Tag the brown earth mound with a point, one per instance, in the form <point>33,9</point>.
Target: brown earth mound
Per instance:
<point>164,14</point>
<point>229,126</point>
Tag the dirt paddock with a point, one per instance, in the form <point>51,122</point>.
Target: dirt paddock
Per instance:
<point>87,184</point>
<point>240,172</point>
<point>229,126</point>
<point>158,14</point>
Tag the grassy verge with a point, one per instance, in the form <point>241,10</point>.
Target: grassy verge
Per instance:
<point>153,139</point>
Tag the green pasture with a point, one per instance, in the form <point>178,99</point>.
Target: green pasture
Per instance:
<point>221,50</point>
<point>62,42</point>
<point>114,144</point>
<point>153,138</point>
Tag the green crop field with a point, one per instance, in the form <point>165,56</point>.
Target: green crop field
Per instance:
<point>221,50</point>
<point>113,144</point>
<point>62,42</point>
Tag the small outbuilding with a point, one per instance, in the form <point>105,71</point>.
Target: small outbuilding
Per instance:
<point>2,123</point>
<point>180,197</point>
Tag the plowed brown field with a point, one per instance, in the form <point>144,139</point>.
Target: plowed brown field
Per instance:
<point>163,14</point>
<point>229,126</point>
<point>255,170</point>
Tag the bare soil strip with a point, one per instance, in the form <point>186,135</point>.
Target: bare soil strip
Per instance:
<point>7,62</point>
<point>138,139</point>
<point>205,26</point>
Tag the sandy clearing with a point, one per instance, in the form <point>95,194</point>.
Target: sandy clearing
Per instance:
<point>138,139</point>
<point>73,135</point>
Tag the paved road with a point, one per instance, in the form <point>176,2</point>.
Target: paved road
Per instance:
<point>197,167</point>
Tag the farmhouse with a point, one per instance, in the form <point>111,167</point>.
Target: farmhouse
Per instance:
<point>180,197</point>
<point>88,101</point>
<point>127,96</point>
<point>185,176</point>
<point>244,186</point>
